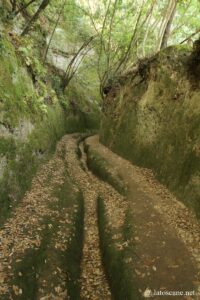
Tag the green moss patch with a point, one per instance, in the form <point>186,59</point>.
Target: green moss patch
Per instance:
<point>17,94</point>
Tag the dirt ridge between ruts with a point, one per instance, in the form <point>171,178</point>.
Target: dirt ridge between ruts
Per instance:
<point>93,280</point>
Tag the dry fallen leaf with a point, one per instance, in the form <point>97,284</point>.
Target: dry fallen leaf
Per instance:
<point>147,293</point>
<point>17,291</point>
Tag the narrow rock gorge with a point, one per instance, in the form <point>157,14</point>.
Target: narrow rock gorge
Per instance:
<point>99,150</point>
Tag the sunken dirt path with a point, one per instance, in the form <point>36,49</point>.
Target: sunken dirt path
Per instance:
<point>38,242</point>
<point>93,282</point>
<point>166,233</point>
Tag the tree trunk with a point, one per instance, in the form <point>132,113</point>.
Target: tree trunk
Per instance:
<point>165,20</point>
<point>54,29</point>
<point>190,36</point>
<point>14,5</point>
<point>34,18</point>
<point>168,27</point>
<point>72,68</point>
<point>23,7</point>
<point>124,59</point>
<point>148,27</point>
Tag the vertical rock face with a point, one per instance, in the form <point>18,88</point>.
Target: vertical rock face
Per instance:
<point>19,132</point>
<point>31,121</point>
<point>61,49</point>
<point>3,163</point>
<point>32,118</point>
<point>153,119</point>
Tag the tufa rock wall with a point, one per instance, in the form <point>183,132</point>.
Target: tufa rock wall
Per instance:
<point>152,118</point>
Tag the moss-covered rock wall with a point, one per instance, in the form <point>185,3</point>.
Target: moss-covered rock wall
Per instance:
<point>32,117</point>
<point>152,117</point>
<point>34,111</point>
<point>29,126</point>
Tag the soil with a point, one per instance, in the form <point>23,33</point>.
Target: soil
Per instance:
<point>166,234</point>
